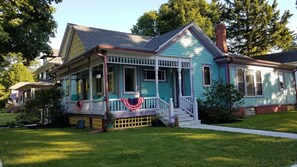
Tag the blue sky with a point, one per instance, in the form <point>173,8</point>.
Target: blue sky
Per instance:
<point>119,15</point>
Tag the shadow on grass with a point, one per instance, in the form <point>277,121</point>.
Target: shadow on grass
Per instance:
<point>142,147</point>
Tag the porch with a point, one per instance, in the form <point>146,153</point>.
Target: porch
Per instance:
<point>164,83</point>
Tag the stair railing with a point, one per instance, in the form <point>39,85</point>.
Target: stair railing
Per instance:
<point>191,107</point>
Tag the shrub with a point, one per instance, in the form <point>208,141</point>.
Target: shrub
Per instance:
<point>219,102</point>
<point>2,104</point>
<point>44,107</point>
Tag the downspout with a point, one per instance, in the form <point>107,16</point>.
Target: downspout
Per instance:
<point>230,60</point>
<point>102,54</point>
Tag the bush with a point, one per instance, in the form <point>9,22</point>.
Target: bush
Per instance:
<point>44,107</point>
<point>2,104</point>
<point>218,103</point>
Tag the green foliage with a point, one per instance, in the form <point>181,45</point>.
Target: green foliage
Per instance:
<point>14,74</point>
<point>26,26</point>
<point>45,106</point>
<point>176,13</point>
<point>219,103</point>
<point>2,104</point>
<point>146,24</point>
<point>255,27</point>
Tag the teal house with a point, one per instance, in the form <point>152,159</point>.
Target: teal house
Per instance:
<point>137,77</point>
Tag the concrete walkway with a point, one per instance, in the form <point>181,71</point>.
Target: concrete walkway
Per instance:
<point>247,131</point>
<point>1,163</point>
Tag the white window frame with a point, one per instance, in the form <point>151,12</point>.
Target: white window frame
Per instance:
<point>245,82</point>
<point>256,88</point>
<point>210,75</point>
<point>281,77</point>
<point>135,80</point>
<point>159,71</point>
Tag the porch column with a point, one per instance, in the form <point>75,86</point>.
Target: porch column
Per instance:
<point>191,78</point>
<point>179,81</point>
<point>157,81</point>
<point>157,76</point>
<point>91,89</point>
<point>69,90</point>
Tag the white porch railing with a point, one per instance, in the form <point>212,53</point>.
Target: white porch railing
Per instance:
<point>189,106</point>
<point>164,109</point>
<point>116,105</point>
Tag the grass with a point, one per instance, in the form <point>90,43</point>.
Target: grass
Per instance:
<point>143,147</point>
<point>7,117</point>
<point>282,121</point>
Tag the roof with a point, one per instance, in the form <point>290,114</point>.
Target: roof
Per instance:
<point>55,54</point>
<point>281,57</point>
<point>39,84</point>
<point>92,37</point>
<point>48,65</point>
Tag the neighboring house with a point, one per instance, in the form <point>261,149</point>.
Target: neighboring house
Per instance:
<point>22,91</point>
<point>166,73</point>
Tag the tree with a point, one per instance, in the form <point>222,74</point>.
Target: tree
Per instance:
<point>254,27</point>
<point>16,73</point>
<point>26,27</point>
<point>146,24</point>
<point>176,13</point>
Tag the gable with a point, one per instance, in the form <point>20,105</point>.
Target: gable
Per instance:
<point>185,46</point>
<point>76,47</point>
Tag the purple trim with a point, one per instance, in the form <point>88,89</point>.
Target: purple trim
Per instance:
<point>210,73</point>
<point>171,42</point>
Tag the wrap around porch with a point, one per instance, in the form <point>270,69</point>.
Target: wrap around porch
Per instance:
<point>130,77</point>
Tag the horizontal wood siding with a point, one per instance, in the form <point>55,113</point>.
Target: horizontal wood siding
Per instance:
<point>272,95</point>
<point>76,47</point>
<point>189,46</point>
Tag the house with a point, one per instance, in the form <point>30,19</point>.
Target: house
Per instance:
<point>136,77</point>
<point>287,57</point>
<point>22,91</point>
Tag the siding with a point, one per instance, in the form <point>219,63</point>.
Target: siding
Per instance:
<point>189,46</point>
<point>76,47</point>
<point>272,95</point>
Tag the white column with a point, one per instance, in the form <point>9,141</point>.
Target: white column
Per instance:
<point>191,78</point>
<point>171,112</point>
<point>157,76</point>
<point>179,81</point>
<point>195,109</point>
<point>91,89</point>
<point>69,91</point>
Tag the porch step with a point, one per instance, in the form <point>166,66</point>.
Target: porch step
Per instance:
<point>188,123</point>
<point>185,119</point>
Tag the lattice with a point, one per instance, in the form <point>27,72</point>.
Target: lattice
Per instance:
<point>133,122</point>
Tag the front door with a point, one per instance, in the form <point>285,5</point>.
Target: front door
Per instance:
<point>176,87</point>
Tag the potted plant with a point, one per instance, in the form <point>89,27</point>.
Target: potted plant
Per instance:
<point>109,121</point>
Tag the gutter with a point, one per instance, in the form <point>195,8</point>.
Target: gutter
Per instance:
<point>230,60</point>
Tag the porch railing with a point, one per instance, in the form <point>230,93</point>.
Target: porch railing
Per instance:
<point>116,105</point>
<point>189,106</point>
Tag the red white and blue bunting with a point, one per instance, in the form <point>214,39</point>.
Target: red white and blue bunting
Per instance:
<point>132,104</point>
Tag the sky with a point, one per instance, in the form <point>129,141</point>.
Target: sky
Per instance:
<point>120,15</point>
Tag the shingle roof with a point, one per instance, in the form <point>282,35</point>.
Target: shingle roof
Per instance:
<point>282,57</point>
<point>92,37</point>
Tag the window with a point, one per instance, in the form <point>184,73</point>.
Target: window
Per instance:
<point>130,79</point>
<point>240,80</point>
<point>249,82</point>
<point>258,83</point>
<point>206,76</point>
<point>149,75</point>
<point>110,79</point>
<point>281,81</point>
<point>99,84</point>
<point>250,86</point>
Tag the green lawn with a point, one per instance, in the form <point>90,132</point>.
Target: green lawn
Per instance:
<point>145,147</point>
<point>7,117</point>
<point>282,121</point>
